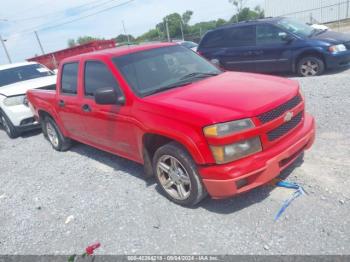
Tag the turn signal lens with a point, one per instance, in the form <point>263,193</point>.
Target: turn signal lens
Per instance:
<point>229,128</point>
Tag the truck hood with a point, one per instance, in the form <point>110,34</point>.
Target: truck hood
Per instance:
<point>332,37</point>
<point>226,97</point>
<point>20,88</point>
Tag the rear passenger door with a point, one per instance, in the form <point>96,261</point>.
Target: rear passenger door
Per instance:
<point>240,49</point>
<point>68,102</point>
<point>275,51</point>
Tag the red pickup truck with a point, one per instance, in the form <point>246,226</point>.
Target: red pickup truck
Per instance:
<point>197,129</point>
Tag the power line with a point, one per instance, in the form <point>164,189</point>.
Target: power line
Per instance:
<point>65,10</point>
<point>86,16</point>
<point>39,28</point>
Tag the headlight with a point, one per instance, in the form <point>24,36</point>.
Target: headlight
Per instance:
<point>14,100</point>
<point>229,128</point>
<point>337,48</point>
<point>229,153</point>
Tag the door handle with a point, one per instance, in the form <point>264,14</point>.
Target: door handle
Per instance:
<point>86,108</point>
<point>61,103</point>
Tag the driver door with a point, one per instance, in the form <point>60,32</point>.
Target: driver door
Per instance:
<point>274,49</point>
<point>107,126</point>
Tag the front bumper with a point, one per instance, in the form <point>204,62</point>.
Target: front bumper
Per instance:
<point>222,181</point>
<point>21,117</point>
<point>337,60</point>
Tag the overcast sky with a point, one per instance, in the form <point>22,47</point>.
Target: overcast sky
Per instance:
<point>139,16</point>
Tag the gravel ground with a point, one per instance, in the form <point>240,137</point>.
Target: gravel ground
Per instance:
<point>106,198</point>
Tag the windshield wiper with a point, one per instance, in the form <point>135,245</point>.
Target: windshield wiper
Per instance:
<point>198,75</point>
<point>183,81</point>
<point>168,87</point>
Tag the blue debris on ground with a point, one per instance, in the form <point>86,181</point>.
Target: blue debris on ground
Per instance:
<point>299,191</point>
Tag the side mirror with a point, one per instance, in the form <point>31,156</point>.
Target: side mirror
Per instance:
<point>108,96</point>
<point>286,37</point>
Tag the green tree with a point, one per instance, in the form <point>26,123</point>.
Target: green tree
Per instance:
<point>186,17</point>
<point>71,42</point>
<point>247,14</point>
<point>86,39</point>
<point>151,35</point>
<point>82,40</point>
<point>238,4</point>
<point>122,38</point>
<point>220,22</point>
<point>174,23</point>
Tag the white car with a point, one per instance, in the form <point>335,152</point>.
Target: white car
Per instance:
<point>320,27</point>
<point>189,44</point>
<point>15,79</point>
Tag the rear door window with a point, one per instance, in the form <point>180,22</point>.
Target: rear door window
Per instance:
<point>231,37</point>
<point>69,80</point>
<point>214,39</point>
<point>240,36</point>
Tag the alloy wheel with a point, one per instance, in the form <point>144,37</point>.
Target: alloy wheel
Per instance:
<point>173,177</point>
<point>52,134</point>
<point>309,68</point>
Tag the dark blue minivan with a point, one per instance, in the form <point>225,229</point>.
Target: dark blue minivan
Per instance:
<point>276,45</point>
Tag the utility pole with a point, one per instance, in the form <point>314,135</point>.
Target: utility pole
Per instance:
<point>126,33</point>
<point>6,52</point>
<point>167,29</point>
<point>182,30</point>
<point>339,3</point>
<point>347,8</point>
<point>37,38</point>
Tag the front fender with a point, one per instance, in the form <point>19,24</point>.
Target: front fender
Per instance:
<point>190,137</point>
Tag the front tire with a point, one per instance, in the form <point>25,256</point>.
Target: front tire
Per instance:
<point>58,141</point>
<point>310,66</point>
<point>8,126</point>
<point>177,175</point>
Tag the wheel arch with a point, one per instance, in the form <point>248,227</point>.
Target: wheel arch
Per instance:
<point>152,141</point>
<point>310,52</point>
<point>42,113</point>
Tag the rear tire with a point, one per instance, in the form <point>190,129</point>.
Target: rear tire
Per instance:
<point>310,66</point>
<point>58,141</point>
<point>177,175</point>
<point>8,126</point>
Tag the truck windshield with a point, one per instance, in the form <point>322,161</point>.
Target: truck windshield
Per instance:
<point>160,69</point>
<point>295,27</point>
<point>23,73</point>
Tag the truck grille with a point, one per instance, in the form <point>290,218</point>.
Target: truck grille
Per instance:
<point>278,111</point>
<point>285,128</point>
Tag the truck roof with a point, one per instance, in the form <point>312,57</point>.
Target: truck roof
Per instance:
<point>8,66</point>
<point>119,51</point>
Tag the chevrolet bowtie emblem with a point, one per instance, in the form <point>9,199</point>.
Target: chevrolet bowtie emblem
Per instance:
<point>288,116</point>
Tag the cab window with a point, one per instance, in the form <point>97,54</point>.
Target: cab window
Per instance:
<point>69,80</point>
<point>97,75</point>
